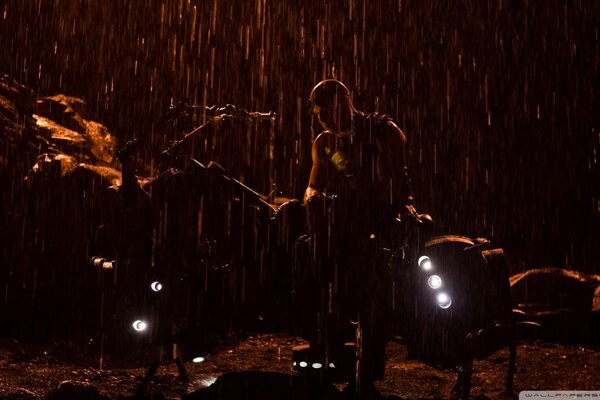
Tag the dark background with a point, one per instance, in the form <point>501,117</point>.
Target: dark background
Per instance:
<point>498,98</point>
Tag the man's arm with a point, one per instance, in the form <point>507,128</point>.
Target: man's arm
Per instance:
<point>315,182</point>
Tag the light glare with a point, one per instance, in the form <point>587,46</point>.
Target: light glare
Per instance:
<point>139,325</point>
<point>444,300</point>
<point>434,282</point>
<point>425,263</point>
<point>198,359</point>
<point>156,286</point>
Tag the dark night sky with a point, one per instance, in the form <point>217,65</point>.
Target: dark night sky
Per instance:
<point>498,98</point>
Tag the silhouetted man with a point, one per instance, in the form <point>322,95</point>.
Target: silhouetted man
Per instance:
<point>361,159</point>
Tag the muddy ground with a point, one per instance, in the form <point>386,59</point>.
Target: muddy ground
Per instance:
<point>33,371</point>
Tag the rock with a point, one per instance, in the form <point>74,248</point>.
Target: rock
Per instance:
<point>21,96</point>
<point>18,132</point>
<point>260,385</point>
<point>71,390</point>
<point>21,394</point>
<point>61,165</point>
<point>61,118</point>
<point>596,301</point>
<point>51,127</point>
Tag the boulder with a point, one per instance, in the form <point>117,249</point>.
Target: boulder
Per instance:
<point>70,390</point>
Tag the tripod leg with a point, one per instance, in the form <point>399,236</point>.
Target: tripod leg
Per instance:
<point>151,370</point>
<point>467,372</point>
<point>183,375</point>
<point>148,377</point>
<point>462,387</point>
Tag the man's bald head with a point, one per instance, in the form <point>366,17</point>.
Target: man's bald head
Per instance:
<point>330,102</point>
<point>328,91</point>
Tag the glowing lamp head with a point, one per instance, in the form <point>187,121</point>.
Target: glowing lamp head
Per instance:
<point>434,282</point>
<point>156,286</point>
<point>317,365</point>
<point>198,359</point>
<point>425,263</point>
<point>139,325</point>
<point>99,262</point>
<point>303,364</point>
<point>444,300</point>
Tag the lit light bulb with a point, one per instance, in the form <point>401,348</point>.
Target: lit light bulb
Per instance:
<point>198,359</point>
<point>139,325</point>
<point>425,263</point>
<point>156,286</point>
<point>444,300</point>
<point>99,262</point>
<point>317,365</point>
<point>434,282</point>
<point>303,364</point>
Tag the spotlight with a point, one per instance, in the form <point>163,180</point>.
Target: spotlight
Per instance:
<point>303,364</point>
<point>317,365</point>
<point>444,300</point>
<point>139,325</point>
<point>331,365</point>
<point>425,263</point>
<point>156,286</point>
<point>198,359</point>
<point>434,282</point>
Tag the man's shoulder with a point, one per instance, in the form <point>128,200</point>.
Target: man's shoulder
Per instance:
<point>324,138</point>
<point>386,127</point>
<point>377,118</point>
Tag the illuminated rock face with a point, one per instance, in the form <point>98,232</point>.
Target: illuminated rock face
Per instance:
<point>50,125</point>
<point>62,118</point>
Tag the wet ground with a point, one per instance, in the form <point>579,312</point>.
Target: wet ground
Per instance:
<point>32,371</point>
